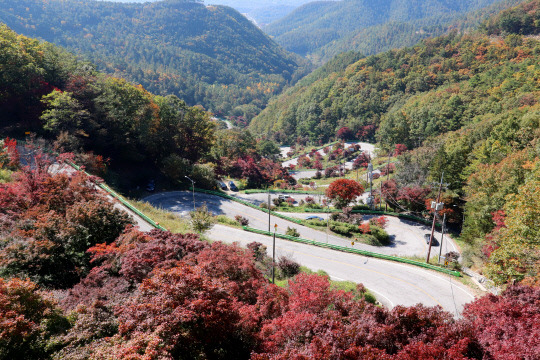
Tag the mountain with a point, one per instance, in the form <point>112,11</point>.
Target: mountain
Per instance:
<point>466,105</point>
<point>262,12</point>
<point>321,30</point>
<point>208,55</point>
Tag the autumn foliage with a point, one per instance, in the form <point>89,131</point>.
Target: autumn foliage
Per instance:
<point>343,191</point>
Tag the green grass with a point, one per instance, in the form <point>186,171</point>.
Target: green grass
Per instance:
<point>170,221</point>
<point>224,220</point>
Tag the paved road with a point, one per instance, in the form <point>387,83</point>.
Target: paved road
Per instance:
<point>392,283</point>
<point>369,148</point>
<point>408,237</point>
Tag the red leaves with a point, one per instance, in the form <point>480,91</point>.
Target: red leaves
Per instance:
<point>24,313</point>
<point>507,326</point>
<point>400,149</point>
<point>343,191</point>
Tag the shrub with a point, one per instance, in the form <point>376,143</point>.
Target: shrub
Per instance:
<point>365,228</point>
<point>380,221</point>
<point>292,232</point>
<point>343,228</point>
<point>288,266</point>
<point>241,220</point>
<point>381,235</point>
<point>259,250</point>
<point>223,219</point>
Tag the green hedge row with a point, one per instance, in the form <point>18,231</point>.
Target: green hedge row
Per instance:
<point>356,251</point>
<point>259,191</point>
<point>376,212</point>
<point>247,203</point>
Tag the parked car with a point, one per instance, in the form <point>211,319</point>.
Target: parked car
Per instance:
<point>284,197</point>
<point>434,242</point>
<point>232,186</point>
<point>314,217</point>
<point>151,186</point>
<point>222,185</point>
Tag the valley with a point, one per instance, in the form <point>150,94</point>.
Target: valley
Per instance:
<point>355,179</point>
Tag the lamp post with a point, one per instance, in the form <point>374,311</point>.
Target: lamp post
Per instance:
<point>192,190</point>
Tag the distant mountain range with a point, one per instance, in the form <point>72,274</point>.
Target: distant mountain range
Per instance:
<point>208,55</point>
<point>262,12</point>
<point>320,30</point>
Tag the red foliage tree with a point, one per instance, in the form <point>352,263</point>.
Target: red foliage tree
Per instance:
<point>27,319</point>
<point>343,191</point>
<point>400,149</point>
<point>345,133</point>
<point>506,326</point>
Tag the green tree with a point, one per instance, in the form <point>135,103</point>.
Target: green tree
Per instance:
<point>202,219</point>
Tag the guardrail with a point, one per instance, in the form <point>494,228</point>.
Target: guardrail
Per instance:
<point>121,199</point>
<point>355,251</point>
<point>260,191</point>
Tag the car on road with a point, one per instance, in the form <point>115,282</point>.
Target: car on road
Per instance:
<point>222,185</point>
<point>232,186</point>
<point>151,186</point>
<point>285,197</point>
<point>433,243</point>
<point>314,217</point>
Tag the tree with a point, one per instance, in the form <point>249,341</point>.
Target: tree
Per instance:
<point>400,149</point>
<point>345,133</point>
<point>517,252</point>
<point>28,320</point>
<point>343,191</point>
<point>202,220</point>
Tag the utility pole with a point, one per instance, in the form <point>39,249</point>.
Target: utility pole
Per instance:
<point>436,208</point>
<point>268,212</point>
<point>442,236</point>
<point>387,178</point>
<point>370,177</point>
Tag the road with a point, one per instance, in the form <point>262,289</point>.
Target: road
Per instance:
<point>407,237</point>
<point>392,283</point>
<point>367,147</point>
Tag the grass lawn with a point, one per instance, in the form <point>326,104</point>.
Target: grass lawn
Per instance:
<point>170,221</point>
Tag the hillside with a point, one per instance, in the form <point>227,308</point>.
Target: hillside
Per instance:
<point>467,102</point>
<point>321,30</point>
<point>211,56</point>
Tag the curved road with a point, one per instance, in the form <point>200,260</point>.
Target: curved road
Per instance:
<point>407,237</point>
<point>393,283</point>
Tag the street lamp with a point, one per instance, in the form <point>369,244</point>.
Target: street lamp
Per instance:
<point>192,190</point>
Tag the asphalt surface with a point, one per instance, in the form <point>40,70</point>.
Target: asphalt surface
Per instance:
<point>392,283</point>
<point>407,237</point>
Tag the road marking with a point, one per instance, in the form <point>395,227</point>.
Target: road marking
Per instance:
<point>390,301</point>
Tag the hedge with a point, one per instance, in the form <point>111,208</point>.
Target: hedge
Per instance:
<point>259,191</point>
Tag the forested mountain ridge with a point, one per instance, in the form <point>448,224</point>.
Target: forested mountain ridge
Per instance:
<point>468,106</point>
<point>211,56</point>
<point>321,30</point>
